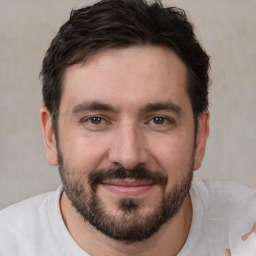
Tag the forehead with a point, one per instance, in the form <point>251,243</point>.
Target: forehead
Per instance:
<point>129,76</point>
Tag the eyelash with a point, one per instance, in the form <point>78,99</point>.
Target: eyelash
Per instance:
<point>163,120</point>
<point>89,119</point>
<point>157,122</point>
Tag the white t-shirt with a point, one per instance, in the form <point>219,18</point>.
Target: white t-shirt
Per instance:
<point>222,213</point>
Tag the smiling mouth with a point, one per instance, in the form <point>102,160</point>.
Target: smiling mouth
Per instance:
<point>128,187</point>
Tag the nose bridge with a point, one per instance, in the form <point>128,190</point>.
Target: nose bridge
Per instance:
<point>128,148</point>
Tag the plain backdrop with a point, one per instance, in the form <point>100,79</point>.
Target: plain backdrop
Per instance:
<point>227,31</point>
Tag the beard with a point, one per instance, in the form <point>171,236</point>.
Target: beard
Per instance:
<point>127,223</point>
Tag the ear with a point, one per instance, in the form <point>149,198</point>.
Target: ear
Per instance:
<point>201,138</point>
<point>48,136</point>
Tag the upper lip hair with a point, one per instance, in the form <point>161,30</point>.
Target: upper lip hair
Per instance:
<point>127,182</point>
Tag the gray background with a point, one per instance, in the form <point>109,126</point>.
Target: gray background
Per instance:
<point>227,30</point>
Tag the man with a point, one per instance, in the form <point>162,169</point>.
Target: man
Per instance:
<point>125,89</point>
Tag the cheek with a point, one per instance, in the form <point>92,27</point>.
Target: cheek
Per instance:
<point>81,152</point>
<point>173,154</point>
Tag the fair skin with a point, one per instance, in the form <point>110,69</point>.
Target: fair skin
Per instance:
<point>127,130</point>
<point>244,238</point>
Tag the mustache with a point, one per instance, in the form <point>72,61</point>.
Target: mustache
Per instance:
<point>138,173</point>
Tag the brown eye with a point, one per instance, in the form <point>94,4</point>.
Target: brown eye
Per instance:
<point>159,120</point>
<point>160,123</point>
<point>96,120</point>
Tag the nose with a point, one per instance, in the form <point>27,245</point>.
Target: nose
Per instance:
<point>128,147</point>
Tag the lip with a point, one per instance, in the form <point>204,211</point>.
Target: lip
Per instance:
<point>128,187</point>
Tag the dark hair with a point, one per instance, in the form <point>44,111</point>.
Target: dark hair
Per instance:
<point>122,23</point>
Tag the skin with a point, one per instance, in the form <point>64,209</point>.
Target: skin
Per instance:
<point>244,238</point>
<point>128,80</point>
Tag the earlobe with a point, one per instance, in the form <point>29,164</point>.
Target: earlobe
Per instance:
<point>48,136</point>
<point>202,135</point>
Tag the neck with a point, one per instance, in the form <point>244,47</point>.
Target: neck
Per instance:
<point>168,240</point>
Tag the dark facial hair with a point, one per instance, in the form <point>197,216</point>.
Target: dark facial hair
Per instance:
<point>131,225</point>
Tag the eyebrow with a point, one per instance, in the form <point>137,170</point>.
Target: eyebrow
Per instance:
<point>151,107</point>
<point>92,106</point>
<point>158,106</point>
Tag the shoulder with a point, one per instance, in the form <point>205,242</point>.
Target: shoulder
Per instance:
<point>25,222</point>
<point>25,209</point>
<point>223,190</point>
<point>222,212</point>
<point>220,184</point>
<point>227,201</point>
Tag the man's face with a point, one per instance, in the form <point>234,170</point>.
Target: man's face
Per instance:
<point>126,140</point>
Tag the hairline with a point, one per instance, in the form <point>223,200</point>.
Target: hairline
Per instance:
<point>89,57</point>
